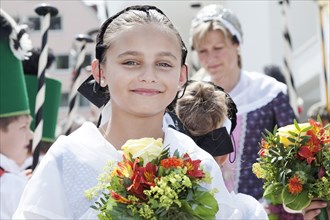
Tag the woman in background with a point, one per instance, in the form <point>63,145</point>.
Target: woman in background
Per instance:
<point>262,102</point>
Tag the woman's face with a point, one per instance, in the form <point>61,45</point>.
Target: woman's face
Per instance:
<point>217,54</point>
<point>143,70</point>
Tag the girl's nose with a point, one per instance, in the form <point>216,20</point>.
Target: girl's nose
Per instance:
<point>148,75</point>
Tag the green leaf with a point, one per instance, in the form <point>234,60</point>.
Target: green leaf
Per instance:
<point>295,202</point>
<point>119,211</point>
<point>273,193</point>
<point>294,134</point>
<point>201,203</point>
<point>176,153</point>
<point>306,129</point>
<point>296,124</point>
<point>94,207</point>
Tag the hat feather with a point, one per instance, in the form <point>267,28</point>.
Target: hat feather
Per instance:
<point>19,41</point>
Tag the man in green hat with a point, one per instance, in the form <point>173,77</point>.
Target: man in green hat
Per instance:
<point>15,119</point>
<point>52,97</point>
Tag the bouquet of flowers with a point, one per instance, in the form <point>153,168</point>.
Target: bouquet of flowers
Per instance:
<point>150,184</point>
<point>295,164</point>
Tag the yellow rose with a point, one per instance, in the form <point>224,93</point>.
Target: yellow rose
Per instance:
<point>146,148</point>
<point>283,132</point>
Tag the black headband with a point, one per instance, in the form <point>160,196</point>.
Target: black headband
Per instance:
<point>216,142</point>
<point>100,47</point>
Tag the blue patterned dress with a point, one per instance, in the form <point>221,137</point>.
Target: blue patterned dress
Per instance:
<point>262,103</point>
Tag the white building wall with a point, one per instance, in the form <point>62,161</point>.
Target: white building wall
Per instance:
<point>262,24</point>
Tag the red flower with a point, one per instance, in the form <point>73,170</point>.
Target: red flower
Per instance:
<point>193,167</point>
<point>149,174</point>
<point>262,152</point>
<point>171,162</point>
<point>136,188</point>
<point>314,140</point>
<point>307,154</point>
<point>295,185</point>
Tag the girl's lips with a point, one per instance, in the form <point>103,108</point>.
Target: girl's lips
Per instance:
<point>213,66</point>
<point>146,92</point>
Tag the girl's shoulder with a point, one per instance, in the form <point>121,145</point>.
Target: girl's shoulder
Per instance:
<point>85,144</point>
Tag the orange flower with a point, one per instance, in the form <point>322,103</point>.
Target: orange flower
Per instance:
<point>295,185</point>
<point>124,169</point>
<point>171,162</point>
<point>264,144</point>
<point>119,198</point>
<point>323,135</point>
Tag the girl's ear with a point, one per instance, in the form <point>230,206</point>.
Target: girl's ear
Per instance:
<point>98,73</point>
<point>183,75</point>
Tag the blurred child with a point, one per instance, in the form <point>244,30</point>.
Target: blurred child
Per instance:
<point>203,112</point>
<point>15,119</point>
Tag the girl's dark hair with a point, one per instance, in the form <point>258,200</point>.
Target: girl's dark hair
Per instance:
<point>124,18</point>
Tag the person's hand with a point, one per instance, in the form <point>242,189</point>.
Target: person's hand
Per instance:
<point>311,211</point>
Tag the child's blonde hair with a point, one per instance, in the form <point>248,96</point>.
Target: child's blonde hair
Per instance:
<point>202,108</point>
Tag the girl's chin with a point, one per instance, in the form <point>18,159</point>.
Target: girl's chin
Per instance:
<point>215,74</point>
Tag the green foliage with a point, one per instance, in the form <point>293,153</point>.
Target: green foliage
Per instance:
<point>295,202</point>
<point>299,153</point>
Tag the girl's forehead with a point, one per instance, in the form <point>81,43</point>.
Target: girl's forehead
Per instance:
<point>146,34</point>
<point>149,28</point>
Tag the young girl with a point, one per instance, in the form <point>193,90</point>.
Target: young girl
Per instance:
<point>203,110</point>
<point>141,58</point>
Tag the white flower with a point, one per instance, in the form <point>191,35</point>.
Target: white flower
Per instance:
<point>145,148</point>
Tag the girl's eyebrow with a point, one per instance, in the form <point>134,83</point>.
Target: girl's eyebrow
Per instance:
<point>167,54</point>
<point>130,52</point>
<point>135,53</point>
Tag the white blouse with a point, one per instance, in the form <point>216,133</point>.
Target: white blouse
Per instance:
<point>73,163</point>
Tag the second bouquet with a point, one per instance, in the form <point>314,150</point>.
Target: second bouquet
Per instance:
<point>295,164</point>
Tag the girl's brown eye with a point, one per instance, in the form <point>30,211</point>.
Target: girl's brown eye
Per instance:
<point>130,63</point>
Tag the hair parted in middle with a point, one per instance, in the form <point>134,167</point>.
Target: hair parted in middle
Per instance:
<point>129,17</point>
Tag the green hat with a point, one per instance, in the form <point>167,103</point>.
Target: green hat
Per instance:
<point>50,107</point>
<point>14,47</point>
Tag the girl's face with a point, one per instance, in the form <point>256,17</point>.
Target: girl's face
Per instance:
<point>143,70</point>
<point>14,142</point>
<point>217,54</point>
